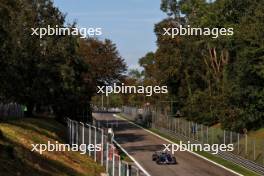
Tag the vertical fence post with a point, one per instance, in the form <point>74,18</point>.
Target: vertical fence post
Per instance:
<point>202,134</point>
<point>107,155</point>
<point>70,132</point>
<point>73,135</point>
<point>73,132</point>
<point>196,132</point>
<point>245,144</point>
<point>207,131</point>
<point>127,169</point>
<point>90,138</point>
<point>102,147</point>
<point>224,137</point>
<point>113,159</point>
<point>119,166</point>
<point>95,134</point>
<point>77,132</point>
<point>82,133</point>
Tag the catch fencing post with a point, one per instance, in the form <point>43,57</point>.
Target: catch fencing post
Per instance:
<point>119,166</point>
<point>127,169</point>
<point>137,171</point>
<point>207,130</point>
<point>90,136</point>
<point>95,143</point>
<point>202,134</point>
<point>113,162</point>
<point>107,159</point>
<point>73,132</point>
<point>77,132</point>
<point>82,132</point>
<point>72,142</point>
<point>102,147</point>
<point>70,135</point>
<point>196,132</point>
<point>246,144</point>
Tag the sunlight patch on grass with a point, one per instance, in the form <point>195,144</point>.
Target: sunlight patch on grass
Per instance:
<point>16,157</point>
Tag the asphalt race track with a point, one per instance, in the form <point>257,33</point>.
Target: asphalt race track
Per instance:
<point>140,144</point>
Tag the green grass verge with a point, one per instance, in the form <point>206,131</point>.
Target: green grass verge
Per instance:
<point>16,157</point>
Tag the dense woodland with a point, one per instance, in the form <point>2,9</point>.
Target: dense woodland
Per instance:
<point>61,72</point>
<point>212,80</point>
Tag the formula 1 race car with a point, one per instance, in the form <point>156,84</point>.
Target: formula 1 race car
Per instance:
<point>163,158</point>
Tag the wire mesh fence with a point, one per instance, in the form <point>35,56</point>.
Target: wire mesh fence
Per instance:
<point>11,110</point>
<point>245,146</point>
<point>107,154</point>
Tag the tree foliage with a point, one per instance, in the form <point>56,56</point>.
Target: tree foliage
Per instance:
<point>213,80</point>
<point>57,71</point>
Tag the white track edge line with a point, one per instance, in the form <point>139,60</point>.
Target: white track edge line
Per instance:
<point>177,144</point>
<point>133,159</point>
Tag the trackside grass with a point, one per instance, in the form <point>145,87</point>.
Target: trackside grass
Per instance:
<point>16,157</point>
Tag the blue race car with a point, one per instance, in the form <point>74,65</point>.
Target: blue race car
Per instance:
<point>163,158</point>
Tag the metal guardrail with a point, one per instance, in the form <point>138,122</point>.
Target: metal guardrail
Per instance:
<point>11,110</point>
